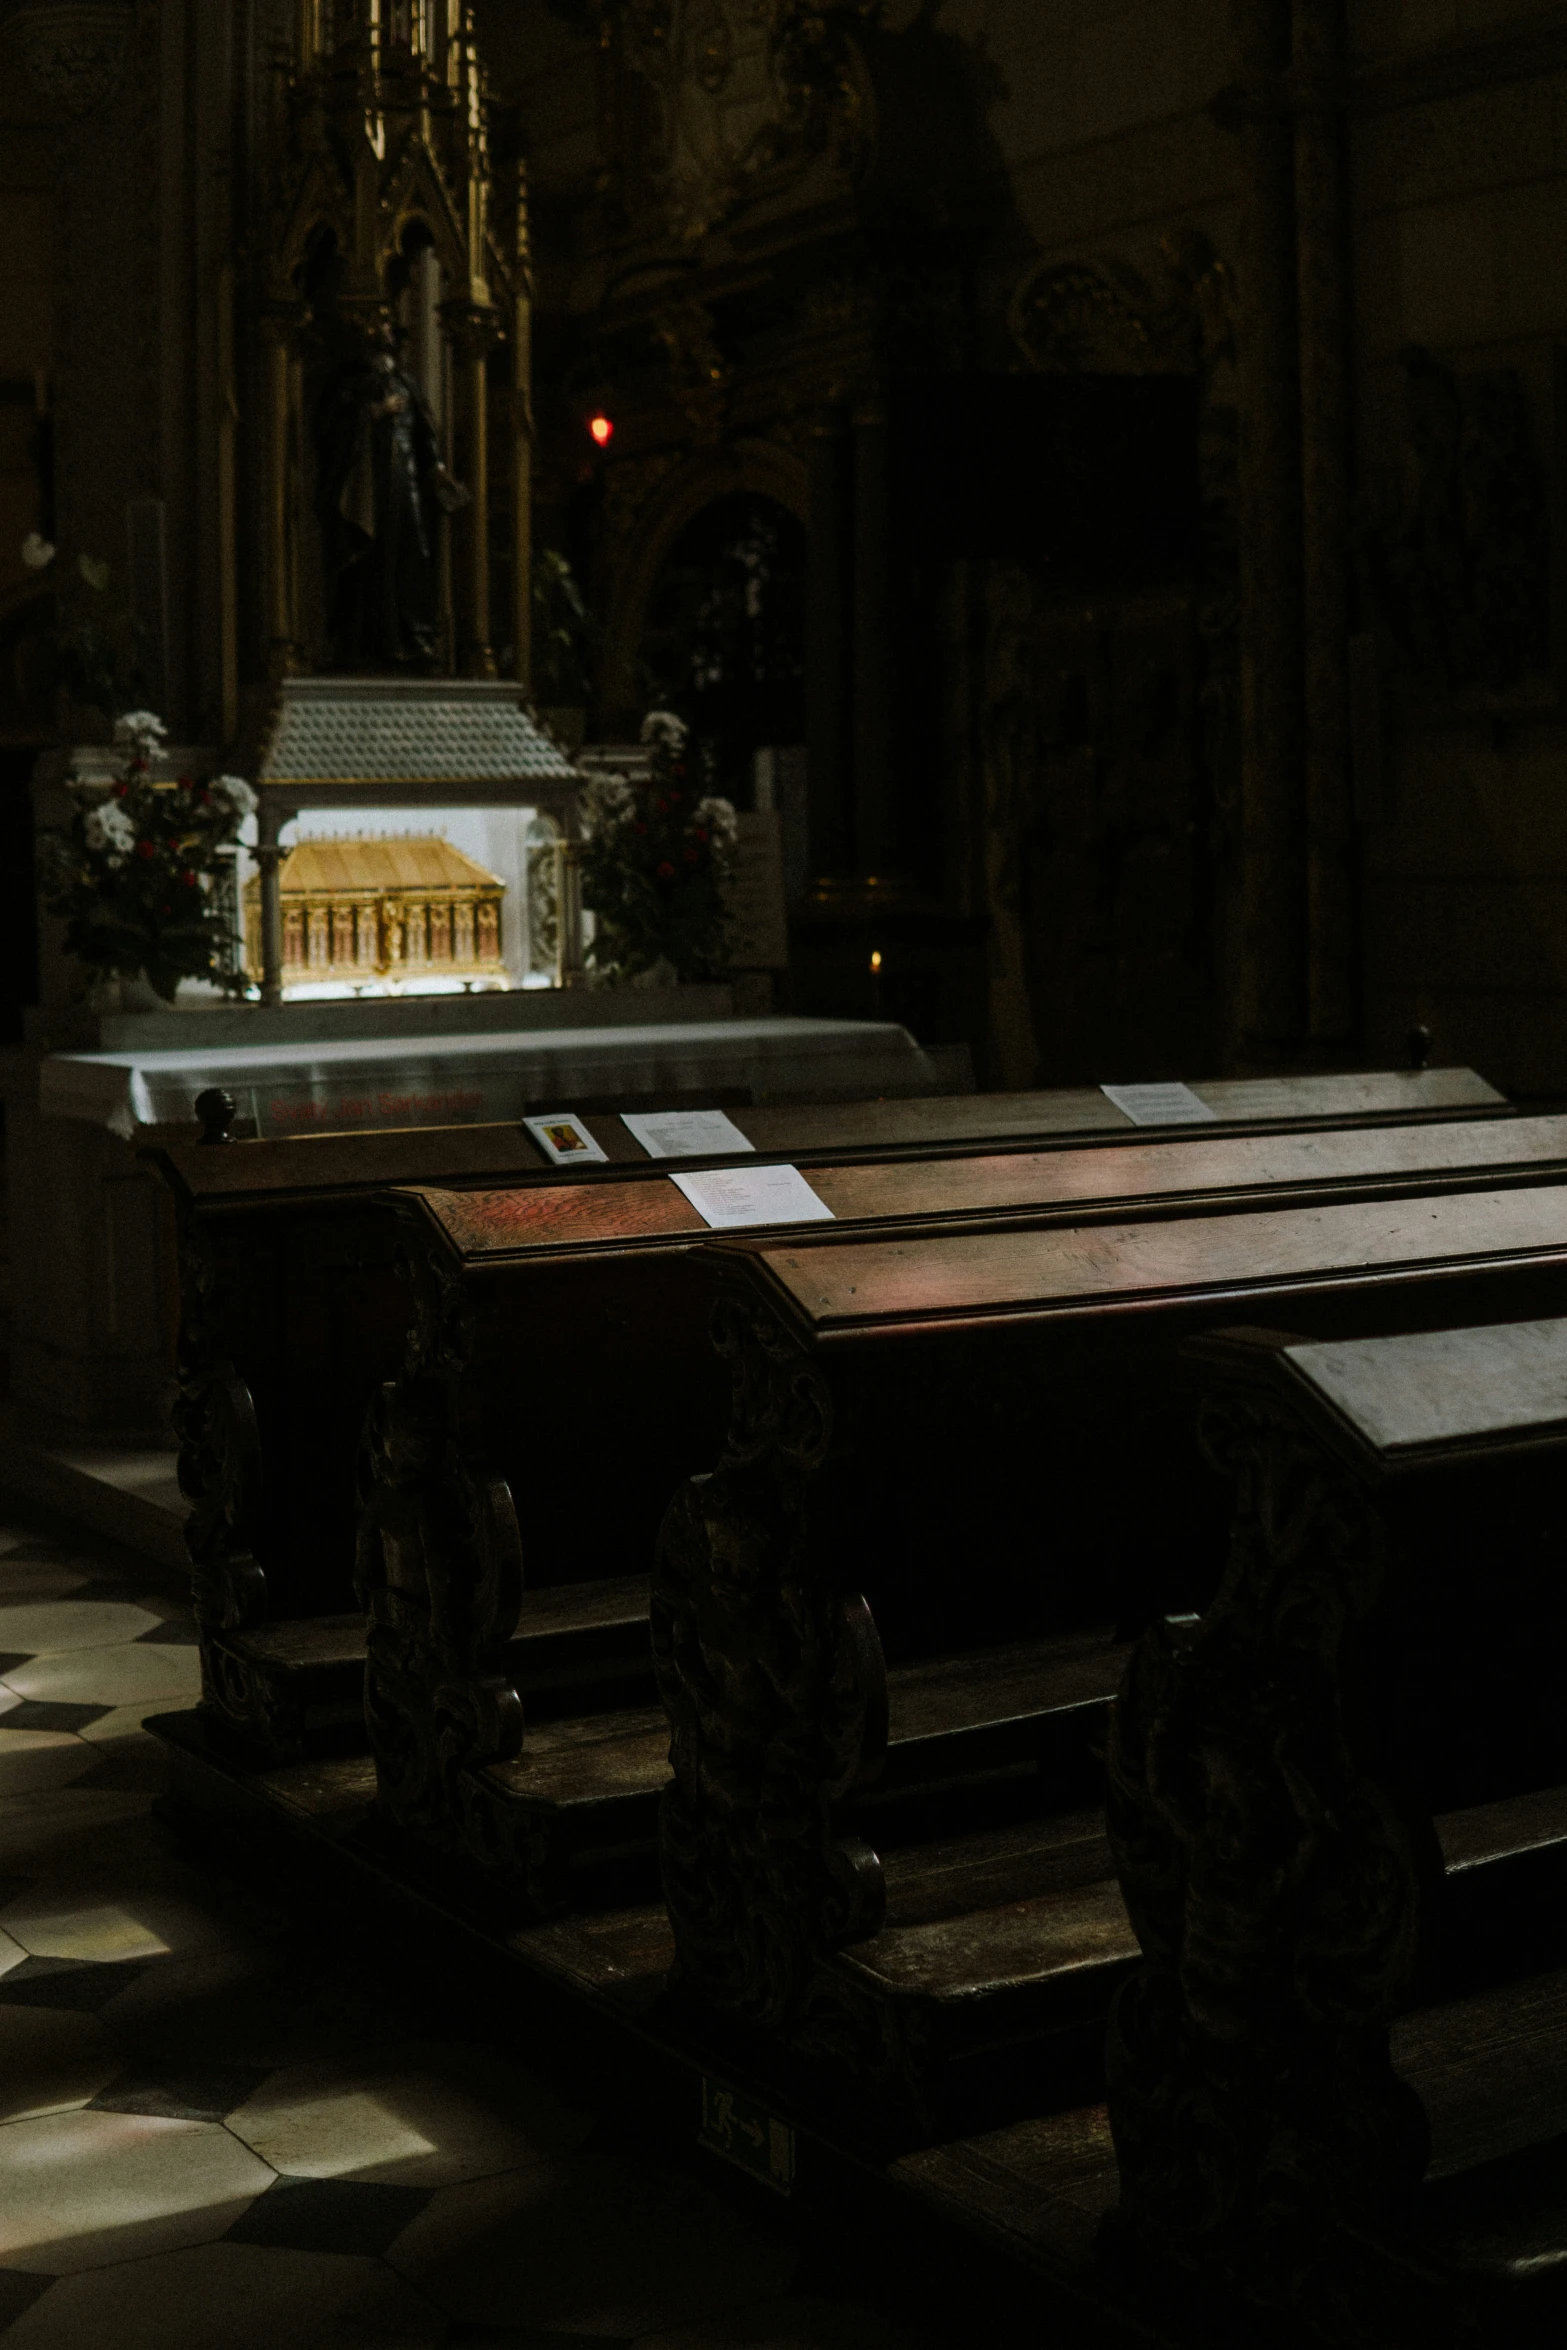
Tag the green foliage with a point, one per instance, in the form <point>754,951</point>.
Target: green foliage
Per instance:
<point>564,633</point>
<point>655,867</point>
<point>131,874</point>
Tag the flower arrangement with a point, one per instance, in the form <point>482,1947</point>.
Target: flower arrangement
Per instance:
<point>132,872</point>
<point>656,866</point>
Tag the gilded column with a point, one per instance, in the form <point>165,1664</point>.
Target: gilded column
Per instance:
<point>1320,200</point>
<point>876,847</point>
<point>1269,959</point>
<point>522,448</point>
<point>474,332</point>
<point>282,629</point>
<point>228,509</point>
<point>827,677</point>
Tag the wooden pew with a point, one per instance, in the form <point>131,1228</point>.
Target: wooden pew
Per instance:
<point>1338,1794</point>
<point>952,1464</point>
<point>293,1315</point>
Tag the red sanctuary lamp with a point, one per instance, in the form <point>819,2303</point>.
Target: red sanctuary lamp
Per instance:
<point>601,429</point>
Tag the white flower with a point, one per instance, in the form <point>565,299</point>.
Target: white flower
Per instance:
<point>141,732</point>
<point>108,827</point>
<point>718,815</point>
<point>237,792</point>
<point>609,802</point>
<point>664,729</point>
<point>37,553</point>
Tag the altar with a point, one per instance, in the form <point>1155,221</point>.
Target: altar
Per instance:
<point>398,982</point>
<point>347,1084</point>
<point>94,1314</point>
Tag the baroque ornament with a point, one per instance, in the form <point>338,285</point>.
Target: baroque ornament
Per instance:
<point>735,89</point>
<point>772,1676</point>
<point>75,51</point>
<point>1277,1876</point>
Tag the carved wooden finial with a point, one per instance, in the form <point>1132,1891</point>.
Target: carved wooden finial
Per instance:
<point>216,1110</point>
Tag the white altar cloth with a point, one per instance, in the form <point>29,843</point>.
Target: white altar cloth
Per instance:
<point>323,1087</point>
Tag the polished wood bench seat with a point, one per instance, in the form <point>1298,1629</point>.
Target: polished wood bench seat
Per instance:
<point>987,1430</point>
<point>293,1314</point>
<point>1338,1800</point>
<point>562,1369</point>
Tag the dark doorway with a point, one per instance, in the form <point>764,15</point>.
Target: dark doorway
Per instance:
<point>725,637</point>
<point>1114,839</point>
<point>1053,537</point>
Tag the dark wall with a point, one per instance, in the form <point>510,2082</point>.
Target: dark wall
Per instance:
<point>18,914</point>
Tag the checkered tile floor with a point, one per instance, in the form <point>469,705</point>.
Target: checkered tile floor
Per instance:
<point>216,2131</point>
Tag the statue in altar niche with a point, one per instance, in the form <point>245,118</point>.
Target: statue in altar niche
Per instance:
<point>382,489</point>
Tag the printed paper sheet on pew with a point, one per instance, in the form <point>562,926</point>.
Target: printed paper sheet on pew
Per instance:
<point>729,1198</point>
<point>1159,1105</point>
<point>685,1134</point>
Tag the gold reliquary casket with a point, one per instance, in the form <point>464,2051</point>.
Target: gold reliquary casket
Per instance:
<point>381,913</point>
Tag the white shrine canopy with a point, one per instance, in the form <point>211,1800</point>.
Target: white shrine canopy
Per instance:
<point>382,741</point>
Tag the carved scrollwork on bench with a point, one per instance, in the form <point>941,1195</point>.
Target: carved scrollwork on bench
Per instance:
<point>1277,1880</point>
<point>220,1475</point>
<point>253,1703</point>
<point>439,1576</point>
<point>772,1674</point>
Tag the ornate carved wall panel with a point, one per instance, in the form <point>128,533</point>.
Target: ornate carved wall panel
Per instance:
<point>1107,741</point>
<point>722,99</point>
<point>1455,543</point>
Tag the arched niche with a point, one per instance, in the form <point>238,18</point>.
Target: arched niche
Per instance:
<point>756,467</point>
<point>724,637</point>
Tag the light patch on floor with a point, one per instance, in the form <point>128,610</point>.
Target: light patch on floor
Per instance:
<point>128,1674</point>
<point>80,2189</point>
<point>56,1626</point>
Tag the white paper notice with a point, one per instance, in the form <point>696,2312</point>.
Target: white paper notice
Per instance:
<point>729,1198</point>
<point>1159,1105</point>
<point>566,1140</point>
<point>685,1134</point>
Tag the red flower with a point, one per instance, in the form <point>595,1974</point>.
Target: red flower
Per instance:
<point>666,871</point>
<point>138,766</point>
<point>189,880</point>
<point>701,836</point>
<point>122,791</point>
<point>691,856</point>
<point>144,848</point>
<point>674,799</point>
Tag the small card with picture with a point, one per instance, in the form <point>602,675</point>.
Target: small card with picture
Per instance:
<point>566,1141</point>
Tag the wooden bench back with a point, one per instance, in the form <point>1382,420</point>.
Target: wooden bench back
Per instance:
<point>312,1315</point>
<point>518,1223</point>
<point>1308,1780</point>
<point>1038,1369</point>
<point>318,1164</point>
